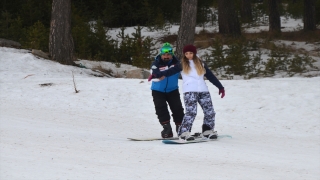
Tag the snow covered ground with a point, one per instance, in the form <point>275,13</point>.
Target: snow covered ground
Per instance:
<point>47,131</point>
<point>51,132</point>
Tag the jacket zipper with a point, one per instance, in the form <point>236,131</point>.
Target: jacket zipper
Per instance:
<point>165,89</point>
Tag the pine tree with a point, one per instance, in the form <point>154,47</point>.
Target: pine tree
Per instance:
<point>246,11</point>
<point>309,18</point>
<point>274,16</point>
<point>228,18</point>
<point>187,26</point>
<point>60,40</point>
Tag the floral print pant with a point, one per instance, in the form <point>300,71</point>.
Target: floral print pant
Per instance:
<point>190,100</point>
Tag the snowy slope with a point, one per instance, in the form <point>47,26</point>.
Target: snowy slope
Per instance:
<point>51,132</point>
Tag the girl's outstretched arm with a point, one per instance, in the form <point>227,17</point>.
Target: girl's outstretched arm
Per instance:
<point>212,78</point>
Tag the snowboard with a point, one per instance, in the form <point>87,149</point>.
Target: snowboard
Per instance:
<point>196,135</point>
<point>152,139</point>
<point>197,140</point>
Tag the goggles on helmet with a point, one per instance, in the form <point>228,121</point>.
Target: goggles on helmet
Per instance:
<point>165,50</point>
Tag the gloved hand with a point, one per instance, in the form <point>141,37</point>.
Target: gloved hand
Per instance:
<point>222,92</point>
<point>150,77</point>
<point>160,79</point>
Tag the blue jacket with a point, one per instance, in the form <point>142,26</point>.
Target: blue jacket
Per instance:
<point>168,84</point>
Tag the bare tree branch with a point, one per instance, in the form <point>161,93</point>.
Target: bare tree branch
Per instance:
<point>74,84</point>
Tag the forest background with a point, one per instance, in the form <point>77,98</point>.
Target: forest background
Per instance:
<point>28,22</point>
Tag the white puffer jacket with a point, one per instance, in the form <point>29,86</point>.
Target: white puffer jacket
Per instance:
<point>192,82</point>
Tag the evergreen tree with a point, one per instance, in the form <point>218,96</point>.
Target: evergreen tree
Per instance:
<point>37,37</point>
<point>309,15</point>
<point>187,25</point>
<point>6,19</point>
<point>203,12</point>
<point>246,11</point>
<point>228,19</point>
<point>295,8</point>
<point>274,16</point>
<point>81,33</point>
<point>60,40</point>
<point>108,13</point>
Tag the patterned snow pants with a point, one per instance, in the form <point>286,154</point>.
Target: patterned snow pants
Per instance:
<point>190,100</point>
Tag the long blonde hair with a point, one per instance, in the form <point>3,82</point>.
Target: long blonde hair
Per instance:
<point>198,63</point>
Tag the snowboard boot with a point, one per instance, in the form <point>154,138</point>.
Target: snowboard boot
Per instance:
<point>186,136</point>
<point>167,131</point>
<point>210,134</point>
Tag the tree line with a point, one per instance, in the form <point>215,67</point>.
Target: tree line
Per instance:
<point>64,27</point>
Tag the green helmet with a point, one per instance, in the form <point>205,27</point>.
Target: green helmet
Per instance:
<point>166,48</point>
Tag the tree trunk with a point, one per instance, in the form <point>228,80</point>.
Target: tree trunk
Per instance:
<point>246,11</point>
<point>309,15</point>
<point>187,25</point>
<point>228,19</point>
<point>60,39</point>
<point>274,16</point>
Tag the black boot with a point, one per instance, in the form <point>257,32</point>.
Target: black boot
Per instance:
<point>167,131</point>
<point>205,128</point>
<point>209,133</point>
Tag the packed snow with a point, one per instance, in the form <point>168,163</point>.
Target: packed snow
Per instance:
<point>47,131</point>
